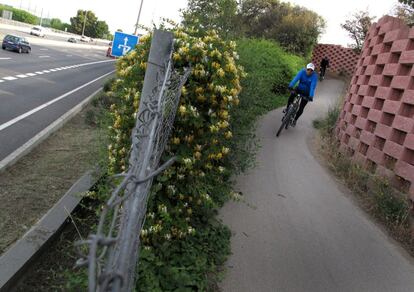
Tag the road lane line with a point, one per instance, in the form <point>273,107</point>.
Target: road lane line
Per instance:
<point>39,72</point>
<point>22,76</point>
<point>46,71</point>
<point>44,49</point>
<point>5,58</point>
<point>29,113</point>
<point>52,70</point>
<point>9,78</point>
<point>31,74</point>
<point>44,56</point>
<point>1,80</point>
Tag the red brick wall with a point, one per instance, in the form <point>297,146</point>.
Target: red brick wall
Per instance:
<point>376,124</point>
<point>340,59</point>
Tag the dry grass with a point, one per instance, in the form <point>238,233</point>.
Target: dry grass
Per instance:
<point>31,187</point>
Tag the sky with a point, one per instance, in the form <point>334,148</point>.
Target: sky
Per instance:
<point>122,14</point>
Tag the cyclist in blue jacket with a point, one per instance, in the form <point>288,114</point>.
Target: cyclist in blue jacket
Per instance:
<point>308,79</point>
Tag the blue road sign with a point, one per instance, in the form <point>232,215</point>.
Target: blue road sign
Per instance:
<point>123,43</point>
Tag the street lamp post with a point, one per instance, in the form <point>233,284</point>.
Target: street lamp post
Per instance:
<point>139,15</point>
<point>84,23</point>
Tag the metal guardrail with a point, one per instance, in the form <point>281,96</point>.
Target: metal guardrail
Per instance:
<point>114,249</point>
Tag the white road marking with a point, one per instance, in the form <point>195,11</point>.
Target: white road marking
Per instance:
<point>46,71</point>
<point>44,56</point>
<point>44,49</point>
<point>1,80</point>
<point>5,58</point>
<point>22,76</point>
<point>31,74</point>
<point>29,113</point>
<point>52,70</point>
<point>9,78</point>
<point>39,72</point>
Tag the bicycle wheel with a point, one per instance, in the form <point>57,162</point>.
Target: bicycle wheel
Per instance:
<point>281,127</point>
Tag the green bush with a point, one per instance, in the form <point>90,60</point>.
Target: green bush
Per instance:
<point>20,15</point>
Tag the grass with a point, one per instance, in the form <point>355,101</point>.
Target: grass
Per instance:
<point>375,194</point>
<point>36,182</point>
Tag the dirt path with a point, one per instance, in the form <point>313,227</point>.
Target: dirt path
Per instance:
<point>297,230</point>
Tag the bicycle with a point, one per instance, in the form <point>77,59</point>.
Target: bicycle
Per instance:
<point>289,117</point>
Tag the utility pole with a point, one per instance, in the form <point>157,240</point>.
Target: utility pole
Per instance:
<point>84,23</point>
<point>41,17</point>
<point>139,15</point>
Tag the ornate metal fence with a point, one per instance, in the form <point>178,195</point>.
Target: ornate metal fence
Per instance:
<point>113,252</point>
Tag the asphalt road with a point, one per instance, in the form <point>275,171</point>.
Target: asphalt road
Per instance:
<point>38,88</point>
<point>298,229</point>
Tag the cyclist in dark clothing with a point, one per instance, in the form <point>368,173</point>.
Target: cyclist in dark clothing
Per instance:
<point>308,80</point>
<point>324,65</point>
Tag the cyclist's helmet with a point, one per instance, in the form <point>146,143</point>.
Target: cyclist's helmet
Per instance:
<point>310,66</point>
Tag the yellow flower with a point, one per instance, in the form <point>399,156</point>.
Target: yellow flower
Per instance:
<point>199,90</point>
<point>228,135</point>
<point>176,57</point>
<point>221,73</point>
<point>176,141</point>
<point>225,150</point>
<point>219,156</point>
<point>182,110</point>
<point>143,65</point>
<point>198,147</point>
<point>224,114</point>
<point>215,141</point>
<point>197,155</point>
<point>184,91</point>
<point>201,98</point>
<point>215,65</point>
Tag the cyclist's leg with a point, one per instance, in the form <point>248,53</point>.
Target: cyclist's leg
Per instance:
<point>291,98</point>
<point>302,105</point>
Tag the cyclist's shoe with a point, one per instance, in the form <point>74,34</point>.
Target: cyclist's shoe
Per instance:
<point>285,110</point>
<point>294,123</point>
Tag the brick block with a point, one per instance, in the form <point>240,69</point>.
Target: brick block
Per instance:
<point>409,141</point>
<point>359,158</point>
<point>411,33</point>
<point>390,69</point>
<point>405,170</point>
<point>354,143</point>
<point>375,80</point>
<point>408,96</point>
<point>383,131</point>
<point>350,129</point>
<point>377,49</point>
<point>367,137</point>
<point>368,101</point>
<point>383,58</point>
<point>374,115</point>
<point>400,82</point>
<point>383,171</point>
<point>363,90</point>
<point>393,149</point>
<point>403,124</point>
<point>360,122</point>
<point>366,61</point>
<point>383,92</point>
<point>399,45</point>
<point>391,106</point>
<point>407,57</point>
<point>370,70</point>
<point>375,155</point>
